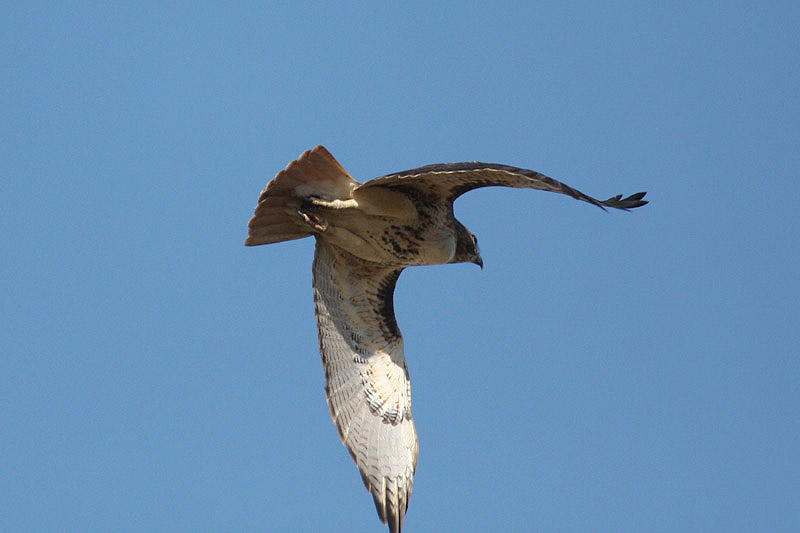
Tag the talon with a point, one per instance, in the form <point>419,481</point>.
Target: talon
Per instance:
<point>313,220</point>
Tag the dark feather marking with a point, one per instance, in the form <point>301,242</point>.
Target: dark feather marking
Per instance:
<point>419,198</point>
<point>386,296</point>
<point>405,240</point>
<point>408,235</point>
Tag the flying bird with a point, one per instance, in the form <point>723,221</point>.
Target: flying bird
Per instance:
<point>366,234</point>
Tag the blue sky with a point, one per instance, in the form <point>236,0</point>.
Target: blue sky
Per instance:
<point>605,371</point>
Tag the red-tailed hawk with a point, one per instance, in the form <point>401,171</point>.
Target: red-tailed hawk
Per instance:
<point>366,234</point>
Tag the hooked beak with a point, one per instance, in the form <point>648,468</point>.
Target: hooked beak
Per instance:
<point>478,261</point>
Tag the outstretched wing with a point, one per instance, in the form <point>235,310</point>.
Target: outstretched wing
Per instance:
<point>448,181</point>
<point>367,384</point>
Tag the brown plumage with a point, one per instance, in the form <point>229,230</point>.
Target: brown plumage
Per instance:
<point>366,234</point>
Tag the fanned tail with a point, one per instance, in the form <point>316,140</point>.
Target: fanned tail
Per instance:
<point>314,174</point>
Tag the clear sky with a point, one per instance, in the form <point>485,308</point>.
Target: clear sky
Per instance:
<point>605,371</point>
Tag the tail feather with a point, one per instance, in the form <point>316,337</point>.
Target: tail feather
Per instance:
<point>275,233</point>
<point>315,173</point>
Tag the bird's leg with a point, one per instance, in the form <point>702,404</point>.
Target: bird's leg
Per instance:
<point>331,204</point>
<point>312,218</point>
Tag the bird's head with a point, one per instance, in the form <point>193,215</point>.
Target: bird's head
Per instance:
<point>467,250</point>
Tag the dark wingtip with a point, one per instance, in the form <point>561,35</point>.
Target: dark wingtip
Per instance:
<point>631,202</point>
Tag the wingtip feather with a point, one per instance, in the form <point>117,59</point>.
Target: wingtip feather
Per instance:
<point>631,202</point>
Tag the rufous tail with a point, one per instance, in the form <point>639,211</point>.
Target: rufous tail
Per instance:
<point>314,174</point>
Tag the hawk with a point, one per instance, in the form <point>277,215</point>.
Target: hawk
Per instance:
<point>366,234</point>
